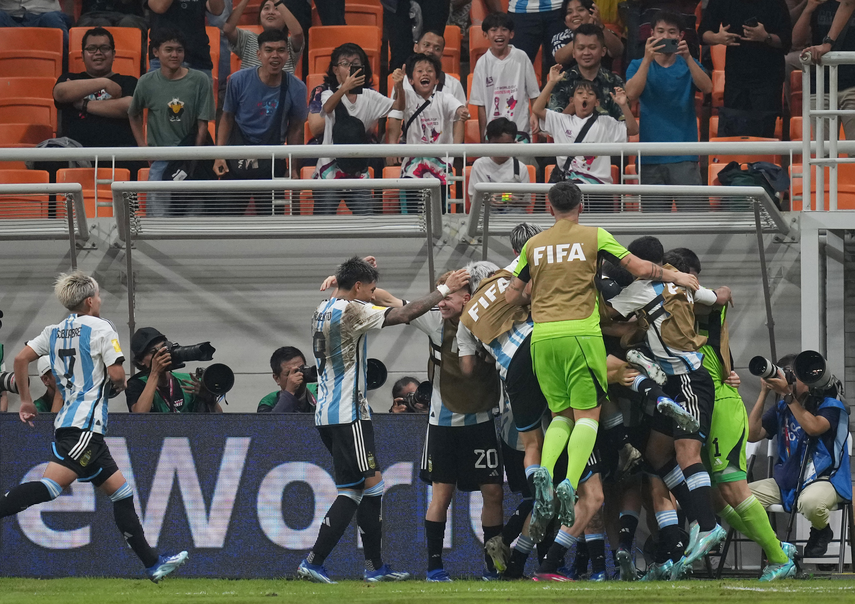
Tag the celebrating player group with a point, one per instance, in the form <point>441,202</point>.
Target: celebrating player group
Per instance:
<point>611,372</point>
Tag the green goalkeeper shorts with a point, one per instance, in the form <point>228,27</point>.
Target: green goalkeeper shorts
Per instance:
<point>571,371</point>
<point>724,451</point>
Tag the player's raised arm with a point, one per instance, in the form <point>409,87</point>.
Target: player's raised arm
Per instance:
<point>644,269</point>
<point>457,280</point>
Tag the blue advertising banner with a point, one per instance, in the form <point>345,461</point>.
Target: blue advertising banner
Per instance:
<point>243,493</point>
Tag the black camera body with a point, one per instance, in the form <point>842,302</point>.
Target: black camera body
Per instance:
<point>184,354</point>
<point>419,401</point>
<point>310,374</point>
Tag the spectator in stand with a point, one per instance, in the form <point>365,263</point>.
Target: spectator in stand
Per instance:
<point>429,117</point>
<point>252,114</point>
<point>577,13</point>
<point>94,104</point>
<point>536,23</point>
<point>180,104</point>
<point>841,19</point>
<point>189,19</point>
<point>350,92</point>
<point>665,83</point>
<point>811,30</point>
<point>501,131</point>
<point>503,80</point>
<point>432,43</point>
<point>273,15</point>
<point>112,13</point>
<point>757,34</point>
<point>589,49</point>
<point>568,127</point>
<point>295,395</point>
<point>405,20</point>
<point>35,13</point>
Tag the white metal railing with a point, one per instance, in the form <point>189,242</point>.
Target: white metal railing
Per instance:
<point>825,123</point>
<point>131,225</point>
<point>72,226</point>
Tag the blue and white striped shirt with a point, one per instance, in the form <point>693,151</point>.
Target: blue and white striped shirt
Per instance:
<point>81,348</point>
<point>339,331</point>
<point>534,6</point>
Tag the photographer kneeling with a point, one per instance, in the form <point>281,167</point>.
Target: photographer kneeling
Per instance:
<point>811,468</point>
<point>156,388</point>
<point>295,394</point>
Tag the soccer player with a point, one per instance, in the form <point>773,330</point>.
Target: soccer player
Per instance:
<point>568,354</point>
<point>340,327</point>
<point>673,450</point>
<point>724,450</point>
<point>87,363</point>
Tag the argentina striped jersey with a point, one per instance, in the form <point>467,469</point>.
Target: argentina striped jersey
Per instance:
<point>502,349</point>
<point>340,344</point>
<point>534,6</point>
<point>81,348</point>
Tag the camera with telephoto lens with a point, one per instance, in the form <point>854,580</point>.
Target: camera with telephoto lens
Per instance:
<point>7,382</point>
<point>418,401</point>
<point>310,374</point>
<point>214,381</point>
<point>812,370</point>
<point>183,354</point>
<point>764,368</point>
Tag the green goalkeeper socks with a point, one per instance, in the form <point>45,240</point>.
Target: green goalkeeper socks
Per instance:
<point>735,521</point>
<point>555,441</point>
<point>753,515</point>
<point>579,448</point>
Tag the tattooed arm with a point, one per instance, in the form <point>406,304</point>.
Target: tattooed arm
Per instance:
<point>644,269</point>
<point>404,314</point>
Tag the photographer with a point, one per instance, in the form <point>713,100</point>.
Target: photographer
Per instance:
<point>45,404</point>
<point>403,397</point>
<point>807,422</point>
<point>295,395</point>
<point>156,388</point>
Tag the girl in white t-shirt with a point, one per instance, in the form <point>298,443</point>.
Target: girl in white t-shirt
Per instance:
<point>349,79</point>
<point>429,117</point>
<point>565,128</point>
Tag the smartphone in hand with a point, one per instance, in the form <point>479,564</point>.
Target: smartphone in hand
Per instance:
<point>752,22</point>
<point>354,69</point>
<point>668,46</point>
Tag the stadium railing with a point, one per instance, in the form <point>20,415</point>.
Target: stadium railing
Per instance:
<point>41,218</point>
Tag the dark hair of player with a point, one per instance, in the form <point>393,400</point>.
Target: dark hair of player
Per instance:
<point>355,270</point>
<point>283,355</point>
<point>522,233</point>
<point>565,196</point>
<point>688,258</point>
<point>647,248</point>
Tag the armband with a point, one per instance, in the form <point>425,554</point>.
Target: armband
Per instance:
<point>443,289</point>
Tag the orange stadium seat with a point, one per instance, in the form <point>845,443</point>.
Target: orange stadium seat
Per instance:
<point>845,186</point>
<point>30,52</point>
<point>142,175</point>
<point>128,59</point>
<point>718,53</point>
<point>478,45</point>
<point>479,10</point>
<point>717,88</point>
<point>356,12</point>
<point>27,101</point>
<point>86,177</point>
<point>391,201</point>
<point>24,135</point>
<point>451,53</point>
<point>795,100</point>
<point>472,133</point>
<point>324,39</point>
<point>250,13</point>
<point>214,42</point>
<point>25,206</point>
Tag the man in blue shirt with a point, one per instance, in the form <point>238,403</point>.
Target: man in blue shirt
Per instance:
<point>806,423</point>
<point>665,86</point>
<point>263,106</point>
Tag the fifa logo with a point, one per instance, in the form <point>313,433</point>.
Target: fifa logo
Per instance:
<point>563,252</point>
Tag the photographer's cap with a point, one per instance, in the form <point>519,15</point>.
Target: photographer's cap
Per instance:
<point>142,340</point>
<point>43,365</point>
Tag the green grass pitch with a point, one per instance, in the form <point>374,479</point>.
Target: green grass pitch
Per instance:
<point>192,591</point>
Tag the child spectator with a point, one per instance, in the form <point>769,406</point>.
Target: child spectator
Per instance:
<point>272,14</point>
<point>503,80</point>
<point>665,85</point>
<point>189,19</point>
<point>499,169</point>
<point>576,13</point>
<point>348,80</point>
<point>429,116</point>
<point>583,124</point>
<point>180,104</point>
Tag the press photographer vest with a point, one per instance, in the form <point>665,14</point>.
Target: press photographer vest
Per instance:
<point>677,331</point>
<point>487,314</point>
<point>160,405</point>
<point>459,393</point>
<point>562,262</point>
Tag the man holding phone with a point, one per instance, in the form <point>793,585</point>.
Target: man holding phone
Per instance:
<point>664,81</point>
<point>758,35</point>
